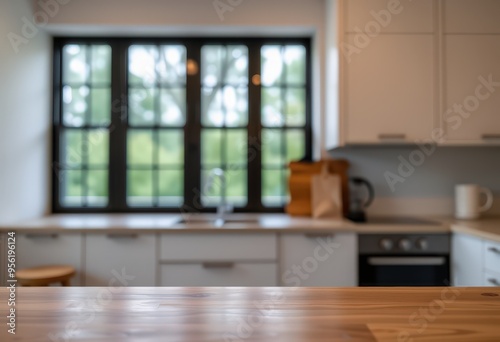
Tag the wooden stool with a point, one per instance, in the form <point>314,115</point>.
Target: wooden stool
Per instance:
<point>45,275</point>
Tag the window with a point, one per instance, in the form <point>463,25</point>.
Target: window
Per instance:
<point>158,125</point>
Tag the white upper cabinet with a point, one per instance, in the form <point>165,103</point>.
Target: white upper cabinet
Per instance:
<point>389,90</point>
<point>391,16</point>
<point>472,16</point>
<point>472,89</point>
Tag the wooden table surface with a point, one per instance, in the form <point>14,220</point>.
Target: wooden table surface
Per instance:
<point>253,314</point>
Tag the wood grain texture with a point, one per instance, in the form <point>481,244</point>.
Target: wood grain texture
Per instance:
<point>255,314</point>
<point>299,184</point>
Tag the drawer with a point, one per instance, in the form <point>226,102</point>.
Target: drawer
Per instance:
<point>218,247</point>
<point>219,274</point>
<point>491,279</point>
<point>492,256</point>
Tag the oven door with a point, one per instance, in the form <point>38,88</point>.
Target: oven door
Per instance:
<point>407,270</point>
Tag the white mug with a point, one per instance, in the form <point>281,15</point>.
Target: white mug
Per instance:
<point>468,201</point>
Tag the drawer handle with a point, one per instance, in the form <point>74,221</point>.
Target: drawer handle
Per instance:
<point>318,235</point>
<point>42,236</point>
<point>213,265</point>
<point>493,281</point>
<point>494,250</point>
<point>490,136</point>
<point>392,137</point>
<point>122,236</point>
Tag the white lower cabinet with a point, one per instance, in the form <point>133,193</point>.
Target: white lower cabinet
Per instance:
<point>491,279</point>
<point>328,260</point>
<point>120,260</point>
<point>43,249</point>
<point>219,274</point>
<point>467,260</point>
<point>219,259</point>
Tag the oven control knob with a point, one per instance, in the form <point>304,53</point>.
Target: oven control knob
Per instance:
<point>386,244</point>
<point>423,244</point>
<point>405,244</point>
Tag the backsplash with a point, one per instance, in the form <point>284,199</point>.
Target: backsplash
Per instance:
<point>424,185</point>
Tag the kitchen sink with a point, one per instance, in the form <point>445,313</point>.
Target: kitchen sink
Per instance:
<point>216,221</point>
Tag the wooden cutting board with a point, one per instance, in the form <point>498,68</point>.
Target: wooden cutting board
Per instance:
<point>299,184</point>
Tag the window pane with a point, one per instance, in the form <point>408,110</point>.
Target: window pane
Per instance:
<point>236,191</point>
<point>296,107</point>
<point>227,106</point>
<point>295,59</point>
<point>272,107</point>
<point>140,147</point>
<point>272,147</point>
<point>98,147</point>
<point>97,188</point>
<point>172,64</point>
<point>140,188</point>
<point>272,65</point>
<point>71,148</point>
<point>295,145</point>
<point>171,149</point>
<point>142,65</point>
<point>75,105</point>
<point>273,187</point>
<point>236,147</point>
<point>75,66</point>
<point>171,188</point>
<point>237,65</point>
<point>101,64</point>
<point>211,147</point>
<point>142,107</point>
<point>100,107</point>
<point>211,188</point>
<point>224,78</point>
<point>71,185</point>
<point>173,107</point>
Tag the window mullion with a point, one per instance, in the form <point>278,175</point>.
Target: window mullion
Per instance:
<point>192,132</point>
<point>118,129</point>
<point>254,177</point>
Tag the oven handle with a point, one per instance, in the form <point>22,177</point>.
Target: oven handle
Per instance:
<point>407,261</point>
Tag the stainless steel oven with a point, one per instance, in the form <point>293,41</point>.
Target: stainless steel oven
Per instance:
<point>404,260</point>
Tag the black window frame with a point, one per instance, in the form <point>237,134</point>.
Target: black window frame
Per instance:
<point>192,157</point>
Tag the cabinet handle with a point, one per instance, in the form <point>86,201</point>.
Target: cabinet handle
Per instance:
<point>212,265</point>
<point>42,236</point>
<point>318,235</point>
<point>122,236</point>
<point>392,137</point>
<point>493,281</point>
<point>490,136</point>
<point>494,250</point>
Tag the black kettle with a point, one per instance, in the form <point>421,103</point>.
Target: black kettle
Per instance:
<point>362,195</point>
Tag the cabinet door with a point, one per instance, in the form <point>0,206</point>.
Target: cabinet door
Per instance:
<point>491,279</point>
<point>467,260</point>
<point>219,274</point>
<point>471,16</point>
<point>390,90</point>
<point>107,256</point>
<point>319,260</point>
<point>43,249</point>
<point>472,100</point>
<point>389,16</point>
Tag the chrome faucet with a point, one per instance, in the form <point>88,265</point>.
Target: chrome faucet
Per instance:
<point>223,206</point>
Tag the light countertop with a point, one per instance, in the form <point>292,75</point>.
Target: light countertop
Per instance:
<point>256,314</point>
<point>488,228</point>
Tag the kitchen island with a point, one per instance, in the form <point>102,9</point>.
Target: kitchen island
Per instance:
<point>253,314</point>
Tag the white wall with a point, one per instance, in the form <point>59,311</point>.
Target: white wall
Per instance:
<point>24,117</point>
